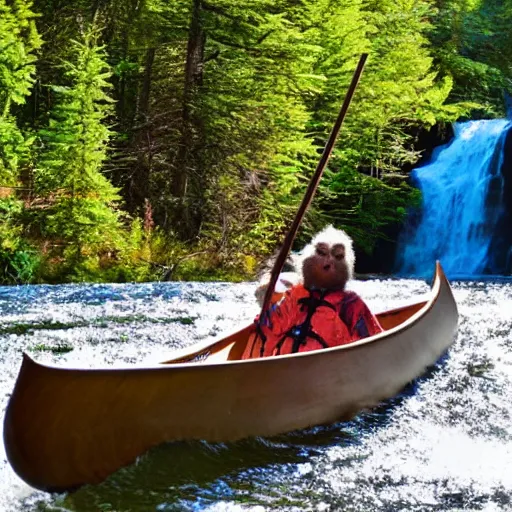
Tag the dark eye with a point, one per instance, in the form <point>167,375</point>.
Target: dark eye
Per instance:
<point>339,256</point>
<point>321,252</point>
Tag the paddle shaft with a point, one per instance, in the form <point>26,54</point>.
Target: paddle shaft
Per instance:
<point>310,192</point>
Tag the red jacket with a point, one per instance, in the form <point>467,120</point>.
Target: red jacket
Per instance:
<point>309,320</point>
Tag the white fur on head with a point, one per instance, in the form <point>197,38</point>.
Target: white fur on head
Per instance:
<point>328,235</point>
<point>331,236</point>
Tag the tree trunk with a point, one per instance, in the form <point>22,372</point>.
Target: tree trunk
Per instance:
<point>143,107</point>
<point>139,185</point>
<point>193,80</point>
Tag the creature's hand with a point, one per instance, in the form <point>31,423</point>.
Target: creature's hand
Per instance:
<point>285,281</point>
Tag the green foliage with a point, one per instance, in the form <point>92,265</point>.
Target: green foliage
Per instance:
<point>472,42</point>
<point>221,109</point>
<point>18,42</point>
<point>13,149</point>
<point>19,262</point>
<point>79,214</point>
<point>248,119</point>
<point>134,257</point>
<point>399,93</point>
<point>364,206</point>
<point>258,128</point>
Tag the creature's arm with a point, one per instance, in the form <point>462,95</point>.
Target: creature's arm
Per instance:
<point>269,328</point>
<point>358,318</point>
<point>278,313</point>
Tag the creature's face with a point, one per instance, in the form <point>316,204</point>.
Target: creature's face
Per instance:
<point>327,268</point>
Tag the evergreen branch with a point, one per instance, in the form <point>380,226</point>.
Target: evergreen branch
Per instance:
<point>241,46</point>
<point>263,37</point>
<point>213,56</point>
<point>235,45</point>
<point>218,10</point>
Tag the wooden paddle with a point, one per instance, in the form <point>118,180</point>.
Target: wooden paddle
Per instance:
<point>310,192</point>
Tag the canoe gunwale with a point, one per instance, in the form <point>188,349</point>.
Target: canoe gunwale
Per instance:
<point>176,363</point>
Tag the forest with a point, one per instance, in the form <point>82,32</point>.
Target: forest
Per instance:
<point>150,139</point>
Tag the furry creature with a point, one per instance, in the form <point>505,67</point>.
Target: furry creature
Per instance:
<point>315,312</point>
<point>315,265</point>
<point>328,239</point>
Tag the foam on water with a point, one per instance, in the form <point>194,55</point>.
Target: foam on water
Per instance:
<point>445,443</point>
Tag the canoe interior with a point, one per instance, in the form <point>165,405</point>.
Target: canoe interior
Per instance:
<point>232,347</point>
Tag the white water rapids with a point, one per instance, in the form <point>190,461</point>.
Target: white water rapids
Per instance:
<point>444,444</point>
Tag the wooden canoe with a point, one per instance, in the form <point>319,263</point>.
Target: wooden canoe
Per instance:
<point>68,427</point>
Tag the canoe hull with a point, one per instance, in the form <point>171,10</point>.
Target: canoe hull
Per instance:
<point>66,427</point>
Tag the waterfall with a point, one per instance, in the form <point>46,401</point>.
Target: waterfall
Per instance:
<point>462,202</point>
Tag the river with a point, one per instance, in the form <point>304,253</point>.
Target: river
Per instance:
<point>445,443</point>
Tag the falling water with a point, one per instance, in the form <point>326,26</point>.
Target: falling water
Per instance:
<point>462,190</point>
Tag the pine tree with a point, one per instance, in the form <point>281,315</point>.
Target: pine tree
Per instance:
<point>399,93</point>
<point>78,212</point>
<point>221,153</point>
<point>19,42</point>
<point>257,74</point>
<point>471,41</point>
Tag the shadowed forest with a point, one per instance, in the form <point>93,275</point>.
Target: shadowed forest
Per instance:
<point>152,139</point>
